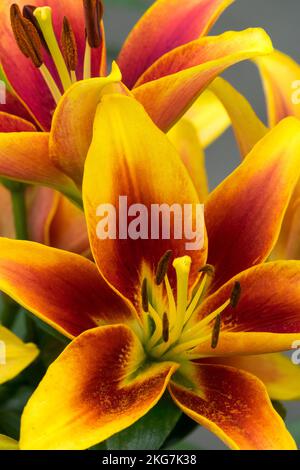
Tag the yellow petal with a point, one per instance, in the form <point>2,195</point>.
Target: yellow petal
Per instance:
<point>247,126</point>
<point>72,125</point>
<point>7,443</point>
<point>280,376</point>
<point>281,79</point>
<point>185,138</point>
<point>14,355</point>
<point>100,385</point>
<point>209,117</point>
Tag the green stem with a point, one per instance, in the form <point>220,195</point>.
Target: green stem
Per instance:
<point>19,210</point>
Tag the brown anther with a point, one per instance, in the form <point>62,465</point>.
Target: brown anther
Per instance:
<point>166,327</point>
<point>207,269</point>
<point>145,300</point>
<point>28,13</point>
<point>235,294</point>
<point>162,267</point>
<point>26,36</point>
<point>216,332</point>
<point>93,12</point>
<point>68,45</point>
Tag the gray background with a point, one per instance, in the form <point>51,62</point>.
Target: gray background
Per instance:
<point>280,18</point>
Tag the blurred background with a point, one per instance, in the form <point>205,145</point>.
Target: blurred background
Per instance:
<point>281,20</point>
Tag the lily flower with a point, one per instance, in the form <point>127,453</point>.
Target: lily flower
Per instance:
<point>164,68</point>
<point>140,326</point>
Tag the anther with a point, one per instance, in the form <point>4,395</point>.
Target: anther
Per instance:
<point>28,13</point>
<point>69,46</point>
<point>216,332</point>
<point>26,36</point>
<point>145,300</point>
<point>207,269</point>
<point>93,12</point>
<point>162,267</point>
<point>166,328</point>
<point>235,294</point>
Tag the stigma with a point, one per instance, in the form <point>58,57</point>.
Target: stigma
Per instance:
<point>172,328</point>
<point>34,33</point>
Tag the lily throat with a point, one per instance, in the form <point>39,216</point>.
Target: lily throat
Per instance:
<point>172,329</point>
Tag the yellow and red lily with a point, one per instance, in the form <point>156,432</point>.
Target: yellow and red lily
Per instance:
<point>132,335</point>
<point>164,66</point>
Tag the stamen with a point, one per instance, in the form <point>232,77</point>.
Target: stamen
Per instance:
<point>28,13</point>
<point>235,294</point>
<point>69,46</point>
<point>93,12</point>
<point>200,327</point>
<point>26,36</point>
<point>171,302</point>
<point>166,328</point>
<point>44,18</point>
<point>145,300</point>
<point>50,83</point>
<point>216,332</point>
<point>207,269</point>
<point>163,266</point>
<point>157,335</point>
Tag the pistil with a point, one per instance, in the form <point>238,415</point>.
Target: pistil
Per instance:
<point>44,18</point>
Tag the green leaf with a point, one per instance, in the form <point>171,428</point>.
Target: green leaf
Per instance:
<point>183,428</point>
<point>151,431</point>
<point>281,410</point>
<point>12,403</point>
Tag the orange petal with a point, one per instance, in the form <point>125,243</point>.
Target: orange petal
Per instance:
<point>72,125</point>
<point>280,376</point>
<point>130,157</point>
<point>102,387</point>
<point>234,405</point>
<point>185,138</point>
<point>247,126</point>
<point>281,79</point>
<point>63,289</point>
<point>166,25</point>
<point>24,156</point>
<point>11,123</point>
<point>68,229</point>
<point>267,317</point>
<point>171,85</point>
<point>13,105</point>
<point>244,213</point>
